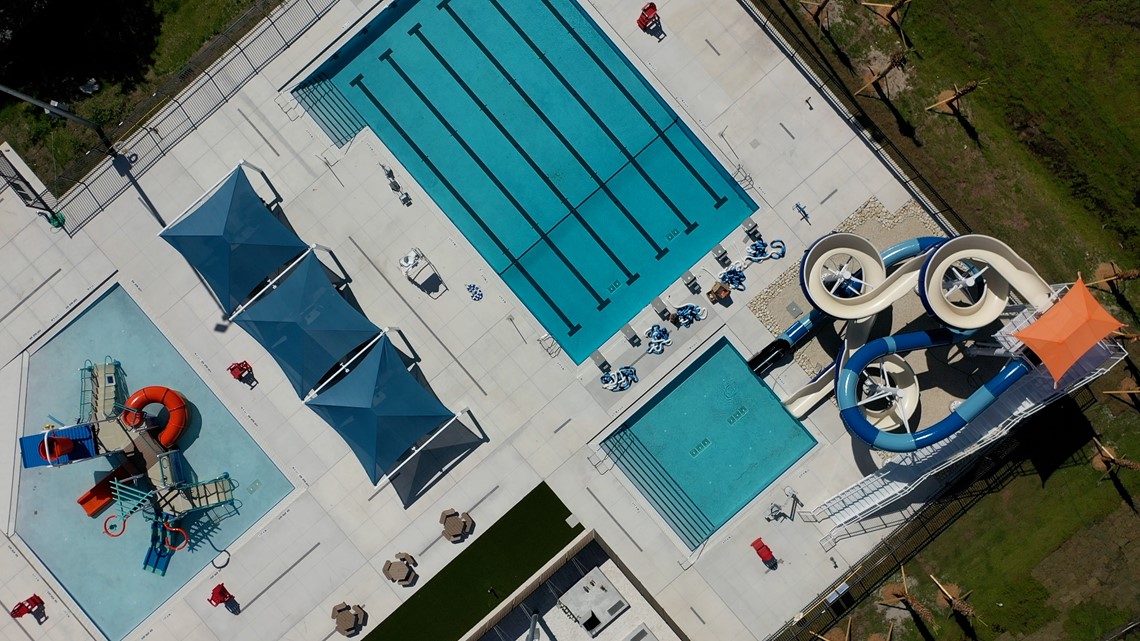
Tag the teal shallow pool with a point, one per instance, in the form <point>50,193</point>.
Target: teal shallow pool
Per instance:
<point>103,574</point>
<point>554,157</point>
<point>708,443</point>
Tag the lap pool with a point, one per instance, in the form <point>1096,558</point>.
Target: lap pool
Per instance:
<point>708,443</point>
<point>103,574</point>
<point>553,156</point>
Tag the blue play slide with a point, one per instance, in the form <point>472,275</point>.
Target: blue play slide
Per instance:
<point>847,386</point>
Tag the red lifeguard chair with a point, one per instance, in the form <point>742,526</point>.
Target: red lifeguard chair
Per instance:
<point>240,370</point>
<point>648,20</point>
<point>220,595</point>
<point>27,606</point>
<point>765,553</point>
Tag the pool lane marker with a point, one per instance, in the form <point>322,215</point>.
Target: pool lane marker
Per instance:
<point>720,200</point>
<point>387,57</point>
<point>630,158</point>
<point>602,186</point>
<point>418,33</point>
<point>358,82</point>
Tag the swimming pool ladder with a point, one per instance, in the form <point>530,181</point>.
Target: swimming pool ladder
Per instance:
<point>742,177</point>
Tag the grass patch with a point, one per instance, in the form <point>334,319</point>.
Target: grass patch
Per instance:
<point>1047,153</point>
<point>50,144</point>
<point>513,549</point>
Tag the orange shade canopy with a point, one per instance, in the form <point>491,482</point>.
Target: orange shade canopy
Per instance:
<point>1068,330</point>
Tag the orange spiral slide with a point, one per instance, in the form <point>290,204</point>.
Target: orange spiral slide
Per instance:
<point>175,404</point>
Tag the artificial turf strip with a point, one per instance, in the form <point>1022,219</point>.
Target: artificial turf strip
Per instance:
<point>508,553</point>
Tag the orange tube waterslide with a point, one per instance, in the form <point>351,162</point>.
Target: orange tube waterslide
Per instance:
<point>175,404</point>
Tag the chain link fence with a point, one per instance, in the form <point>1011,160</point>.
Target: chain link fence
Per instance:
<point>152,129</point>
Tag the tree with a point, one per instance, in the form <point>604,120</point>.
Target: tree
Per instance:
<point>49,48</point>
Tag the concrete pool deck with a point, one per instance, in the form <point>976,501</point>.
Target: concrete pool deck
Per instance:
<point>327,541</point>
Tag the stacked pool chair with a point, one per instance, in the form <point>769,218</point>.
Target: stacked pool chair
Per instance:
<point>621,380</point>
<point>761,251</point>
<point>734,277</point>
<point>686,315</point>
<point>658,338</point>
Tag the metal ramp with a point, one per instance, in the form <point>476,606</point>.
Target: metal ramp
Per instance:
<point>181,500</point>
<point>906,472</point>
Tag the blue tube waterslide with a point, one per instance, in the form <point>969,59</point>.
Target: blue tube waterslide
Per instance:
<point>847,386</point>
<point>847,378</point>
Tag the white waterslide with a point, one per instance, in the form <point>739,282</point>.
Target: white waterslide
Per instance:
<point>839,263</point>
<point>805,398</point>
<point>844,276</point>
<point>959,263</point>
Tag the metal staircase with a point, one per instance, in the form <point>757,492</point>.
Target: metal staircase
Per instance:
<point>332,112</point>
<point>904,473</point>
<point>100,389</point>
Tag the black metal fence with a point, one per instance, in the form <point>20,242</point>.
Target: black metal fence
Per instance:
<point>775,16</point>
<point>990,472</point>
<point>214,75</point>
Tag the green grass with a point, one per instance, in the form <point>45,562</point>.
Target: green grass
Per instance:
<point>49,144</point>
<point>1048,156</point>
<point>458,597</point>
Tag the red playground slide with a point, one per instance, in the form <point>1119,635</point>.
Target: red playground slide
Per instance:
<point>100,496</point>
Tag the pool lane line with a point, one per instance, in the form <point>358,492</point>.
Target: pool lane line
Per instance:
<point>553,68</point>
<point>423,322</point>
<point>387,57</point>
<point>661,251</point>
<point>720,200</point>
<point>630,277</point>
<point>358,82</point>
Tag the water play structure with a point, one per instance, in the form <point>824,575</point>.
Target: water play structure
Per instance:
<point>149,477</point>
<point>967,284</point>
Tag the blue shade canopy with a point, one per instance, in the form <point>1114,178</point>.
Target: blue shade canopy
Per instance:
<point>305,325</point>
<point>233,241</point>
<point>380,409</point>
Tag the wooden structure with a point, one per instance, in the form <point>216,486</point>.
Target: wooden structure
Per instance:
<point>949,101</point>
<point>815,9</point>
<point>897,59</point>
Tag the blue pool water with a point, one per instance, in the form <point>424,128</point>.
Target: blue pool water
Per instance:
<point>708,443</point>
<point>103,574</point>
<point>547,149</point>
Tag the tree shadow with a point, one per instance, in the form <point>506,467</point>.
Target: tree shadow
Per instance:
<point>907,129</point>
<point>964,123</point>
<point>1125,495</point>
<point>920,625</point>
<point>1122,300</point>
<point>839,53</point>
<point>966,625</point>
<point>116,43</point>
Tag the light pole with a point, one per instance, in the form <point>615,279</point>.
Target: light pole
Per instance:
<point>63,113</point>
